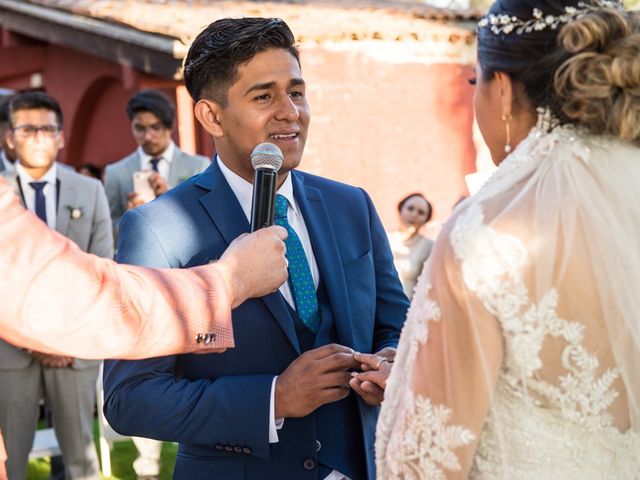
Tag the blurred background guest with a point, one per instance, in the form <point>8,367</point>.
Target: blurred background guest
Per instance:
<point>76,207</point>
<point>152,117</point>
<point>410,248</point>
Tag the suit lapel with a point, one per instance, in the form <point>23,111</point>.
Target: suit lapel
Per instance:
<point>12,178</point>
<point>132,165</point>
<point>174,168</point>
<point>67,197</point>
<point>327,254</point>
<point>227,215</point>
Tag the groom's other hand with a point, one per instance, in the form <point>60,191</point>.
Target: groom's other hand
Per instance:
<point>315,378</point>
<point>254,264</point>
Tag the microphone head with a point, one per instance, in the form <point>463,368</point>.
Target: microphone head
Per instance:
<point>267,155</point>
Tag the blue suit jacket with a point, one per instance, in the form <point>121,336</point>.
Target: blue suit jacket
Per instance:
<point>217,405</point>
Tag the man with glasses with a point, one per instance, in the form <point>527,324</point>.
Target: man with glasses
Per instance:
<point>152,117</point>
<point>75,206</point>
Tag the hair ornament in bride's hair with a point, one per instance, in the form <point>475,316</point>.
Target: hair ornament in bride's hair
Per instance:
<point>547,121</point>
<point>506,24</point>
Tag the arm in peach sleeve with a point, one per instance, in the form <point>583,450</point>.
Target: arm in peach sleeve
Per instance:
<point>3,459</point>
<point>55,298</point>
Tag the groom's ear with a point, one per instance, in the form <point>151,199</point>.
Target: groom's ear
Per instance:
<point>209,114</point>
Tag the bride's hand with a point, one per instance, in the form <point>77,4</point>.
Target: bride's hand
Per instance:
<point>370,383</point>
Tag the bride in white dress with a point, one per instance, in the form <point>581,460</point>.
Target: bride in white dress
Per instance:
<point>520,356</point>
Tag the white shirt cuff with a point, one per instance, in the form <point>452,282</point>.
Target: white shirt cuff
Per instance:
<point>275,424</point>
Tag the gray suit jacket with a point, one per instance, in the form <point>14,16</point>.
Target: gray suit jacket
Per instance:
<point>91,232</point>
<point>118,178</point>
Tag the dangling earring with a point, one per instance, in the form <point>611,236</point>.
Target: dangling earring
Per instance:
<point>507,145</point>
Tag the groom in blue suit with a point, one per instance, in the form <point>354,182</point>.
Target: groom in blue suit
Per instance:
<point>282,404</point>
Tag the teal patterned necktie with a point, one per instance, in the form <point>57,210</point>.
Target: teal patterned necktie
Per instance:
<point>300,279</point>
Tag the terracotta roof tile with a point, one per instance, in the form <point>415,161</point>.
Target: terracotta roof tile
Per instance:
<point>324,20</point>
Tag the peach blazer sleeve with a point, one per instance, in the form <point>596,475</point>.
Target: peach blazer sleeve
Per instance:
<point>3,452</point>
<point>56,298</point>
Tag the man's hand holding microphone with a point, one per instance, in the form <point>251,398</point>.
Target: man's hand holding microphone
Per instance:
<point>254,264</point>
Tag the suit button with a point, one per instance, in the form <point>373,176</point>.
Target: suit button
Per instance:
<point>219,447</point>
<point>309,464</point>
<point>228,448</point>
<point>237,449</point>
<point>318,445</point>
<point>247,450</point>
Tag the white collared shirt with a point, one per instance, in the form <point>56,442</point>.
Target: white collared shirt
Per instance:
<point>165,160</point>
<point>8,166</point>
<point>50,191</point>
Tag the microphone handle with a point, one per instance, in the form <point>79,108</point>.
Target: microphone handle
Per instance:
<point>263,204</point>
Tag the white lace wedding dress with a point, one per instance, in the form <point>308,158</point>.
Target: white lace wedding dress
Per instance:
<point>520,357</point>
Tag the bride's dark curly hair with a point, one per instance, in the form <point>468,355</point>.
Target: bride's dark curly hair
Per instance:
<point>587,71</point>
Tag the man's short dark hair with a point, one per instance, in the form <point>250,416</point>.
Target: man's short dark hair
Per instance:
<point>4,110</point>
<point>211,66</point>
<point>155,102</point>
<point>33,101</point>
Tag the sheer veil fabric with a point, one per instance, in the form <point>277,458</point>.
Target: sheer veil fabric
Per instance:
<point>520,356</point>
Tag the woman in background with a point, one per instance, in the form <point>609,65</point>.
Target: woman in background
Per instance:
<point>410,248</point>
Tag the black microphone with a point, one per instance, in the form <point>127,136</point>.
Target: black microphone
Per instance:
<point>266,159</point>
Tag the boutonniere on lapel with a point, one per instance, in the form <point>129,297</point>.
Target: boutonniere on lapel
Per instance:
<point>75,213</point>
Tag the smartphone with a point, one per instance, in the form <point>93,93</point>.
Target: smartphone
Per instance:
<point>142,187</point>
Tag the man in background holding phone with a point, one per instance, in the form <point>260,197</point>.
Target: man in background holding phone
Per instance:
<point>157,164</point>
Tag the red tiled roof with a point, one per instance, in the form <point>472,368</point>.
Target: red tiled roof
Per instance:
<point>324,20</point>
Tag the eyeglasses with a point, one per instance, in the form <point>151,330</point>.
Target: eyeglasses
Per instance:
<point>28,131</point>
<point>155,129</point>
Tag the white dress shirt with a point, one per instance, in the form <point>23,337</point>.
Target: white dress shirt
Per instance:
<point>165,160</point>
<point>243,191</point>
<point>50,191</point>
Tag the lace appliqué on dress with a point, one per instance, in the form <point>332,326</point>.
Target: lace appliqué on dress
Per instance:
<point>425,447</point>
<point>414,440</point>
<point>492,268</point>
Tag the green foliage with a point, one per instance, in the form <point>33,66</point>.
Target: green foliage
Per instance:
<point>122,456</point>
